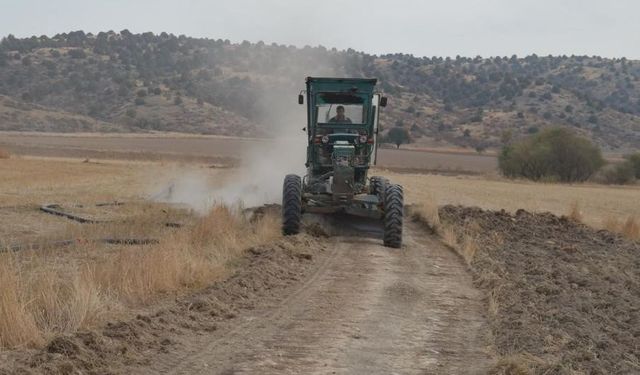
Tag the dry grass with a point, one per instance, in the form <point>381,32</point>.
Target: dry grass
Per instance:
<point>574,212</point>
<point>44,294</point>
<point>629,227</point>
<point>459,238</point>
<point>4,154</point>
<point>513,365</point>
<point>53,291</point>
<point>427,212</point>
<point>469,248</point>
<point>17,326</point>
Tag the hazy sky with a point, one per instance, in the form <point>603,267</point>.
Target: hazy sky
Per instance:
<point>423,28</point>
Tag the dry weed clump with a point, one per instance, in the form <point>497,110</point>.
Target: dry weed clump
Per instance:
<point>462,239</point>
<point>459,238</point>
<point>575,213</point>
<point>630,227</point>
<point>427,213</point>
<point>515,364</point>
<point>4,154</point>
<point>42,296</point>
<point>17,326</point>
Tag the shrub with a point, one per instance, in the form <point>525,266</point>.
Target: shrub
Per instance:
<point>177,100</point>
<point>618,174</point>
<point>77,53</point>
<point>634,160</point>
<point>552,154</point>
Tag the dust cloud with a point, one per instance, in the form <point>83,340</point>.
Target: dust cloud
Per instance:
<point>264,162</point>
<point>263,166</point>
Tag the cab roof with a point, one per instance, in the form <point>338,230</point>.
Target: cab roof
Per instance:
<point>353,85</point>
<point>372,81</point>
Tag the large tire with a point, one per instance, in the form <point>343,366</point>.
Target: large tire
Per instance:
<point>393,215</point>
<point>291,204</point>
<point>377,185</point>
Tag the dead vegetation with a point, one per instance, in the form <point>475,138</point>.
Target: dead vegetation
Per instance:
<point>49,293</point>
<point>4,154</point>
<point>55,290</point>
<point>629,227</point>
<point>127,343</point>
<point>575,213</point>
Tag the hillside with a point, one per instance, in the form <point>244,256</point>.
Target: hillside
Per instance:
<point>143,82</point>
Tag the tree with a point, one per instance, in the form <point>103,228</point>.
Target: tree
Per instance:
<point>398,136</point>
<point>77,53</point>
<point>553,153</point>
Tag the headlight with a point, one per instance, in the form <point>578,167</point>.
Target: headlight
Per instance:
<point>363,139</point>
<point>325,139</point>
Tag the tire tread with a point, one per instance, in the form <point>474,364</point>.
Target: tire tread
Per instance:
<point>393,215</point>
<point>291,205</point>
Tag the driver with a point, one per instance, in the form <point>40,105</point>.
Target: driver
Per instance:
<point>340,117</point>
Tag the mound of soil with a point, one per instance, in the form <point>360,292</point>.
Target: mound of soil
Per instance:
<point>563,298</point>
<point>263,275</point>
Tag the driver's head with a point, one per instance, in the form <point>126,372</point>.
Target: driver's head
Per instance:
<point>340,111</point>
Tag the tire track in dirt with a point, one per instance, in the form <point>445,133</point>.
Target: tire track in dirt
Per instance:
<point>367,309</point>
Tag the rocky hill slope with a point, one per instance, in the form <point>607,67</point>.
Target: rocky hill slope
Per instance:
<point>143,82</point>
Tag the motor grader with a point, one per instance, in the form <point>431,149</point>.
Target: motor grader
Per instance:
<point>342,129</point>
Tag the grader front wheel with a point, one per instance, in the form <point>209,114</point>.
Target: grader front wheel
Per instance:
<point>393,215</point>
<point>291,204</point>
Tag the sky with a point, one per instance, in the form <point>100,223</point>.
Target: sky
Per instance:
<point>422,28</point>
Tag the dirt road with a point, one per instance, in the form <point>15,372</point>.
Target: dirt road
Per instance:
<point>365,309</point>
